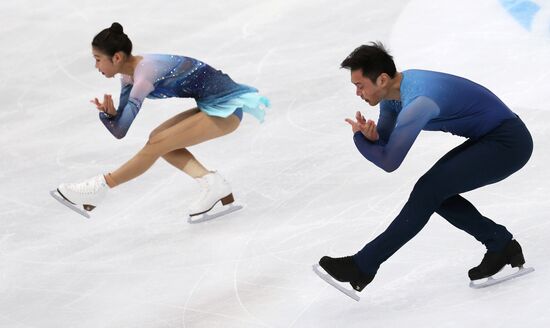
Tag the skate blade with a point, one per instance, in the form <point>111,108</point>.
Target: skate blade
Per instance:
<point>63,201</point>
<point>327,278</point>
<point>214,213</point>
<point>493,281</point>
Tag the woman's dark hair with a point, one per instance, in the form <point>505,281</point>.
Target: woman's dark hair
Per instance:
<point>112,40</point>
<point>372,59</point>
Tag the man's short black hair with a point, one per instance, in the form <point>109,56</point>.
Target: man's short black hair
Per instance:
<point>372,59</point>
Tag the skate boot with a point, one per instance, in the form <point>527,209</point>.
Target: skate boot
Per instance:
<point>493,262</point>
<point>344,269</point>
<point>87,194</point>
<point>214,188</point>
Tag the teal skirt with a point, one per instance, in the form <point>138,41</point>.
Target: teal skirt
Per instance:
<point>248,100</point>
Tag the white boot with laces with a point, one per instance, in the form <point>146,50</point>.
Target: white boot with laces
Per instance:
<point>88,193</point>
<point>214,188</point>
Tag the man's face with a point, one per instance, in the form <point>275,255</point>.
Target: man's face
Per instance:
<point>368,91</point>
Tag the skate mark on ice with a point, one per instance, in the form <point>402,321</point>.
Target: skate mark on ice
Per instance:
<point>236,280</point>
<point>62,68</point>
<point>262,62</point>
<point>186,304</point>
<point>493,281</point>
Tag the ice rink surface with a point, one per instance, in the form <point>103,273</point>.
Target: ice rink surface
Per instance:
<point>308,192</point>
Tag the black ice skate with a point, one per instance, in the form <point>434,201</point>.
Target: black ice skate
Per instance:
<point>493,262</point>
<point>342,269</point>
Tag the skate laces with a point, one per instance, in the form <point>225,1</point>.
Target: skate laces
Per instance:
<point>212,185</point>
<point>88,187</point>
<point>203,184</point>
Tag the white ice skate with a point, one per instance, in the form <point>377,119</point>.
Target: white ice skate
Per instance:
<point>493,280</point>
<point>214,189</point>
<point>87,194</point>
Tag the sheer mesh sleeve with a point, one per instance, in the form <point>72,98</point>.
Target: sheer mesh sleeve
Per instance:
<point>409,123</point>
<point>131,98</point>
<point>386,120</point>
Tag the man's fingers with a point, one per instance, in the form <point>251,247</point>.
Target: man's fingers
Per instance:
<point>360,118</point>
<point>372,126</point>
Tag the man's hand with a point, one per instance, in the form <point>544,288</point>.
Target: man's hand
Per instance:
<point>107,106</point>
<point>367,128</point>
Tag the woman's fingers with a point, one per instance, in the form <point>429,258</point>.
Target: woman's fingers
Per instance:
<point>105,100</point>
<point>97,104</point>
<point>111,107</point>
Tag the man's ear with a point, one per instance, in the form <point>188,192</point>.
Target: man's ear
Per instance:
<point>383,80</point>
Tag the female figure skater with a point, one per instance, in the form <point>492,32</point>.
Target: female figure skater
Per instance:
<point>220,106</point>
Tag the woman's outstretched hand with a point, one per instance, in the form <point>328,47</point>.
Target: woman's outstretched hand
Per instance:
<point>107,106</point>
<point>367,128</point>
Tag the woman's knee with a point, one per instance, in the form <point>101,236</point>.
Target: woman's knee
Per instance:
<point>231,124</point>
<point>153,148</point>
<point>153,134</point>
<point>157,137</point>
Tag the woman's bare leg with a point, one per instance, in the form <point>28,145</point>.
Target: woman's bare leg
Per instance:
<point>185,161</point>
<point>170,139</point>
<point>181,158</point>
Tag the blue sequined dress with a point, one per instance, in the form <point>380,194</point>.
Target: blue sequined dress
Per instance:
<point>166,76</point>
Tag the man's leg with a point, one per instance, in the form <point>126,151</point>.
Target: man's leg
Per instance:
<point>463,215</point>
<point>472,165</point>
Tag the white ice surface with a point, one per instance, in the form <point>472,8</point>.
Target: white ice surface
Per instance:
<point>308,192</point>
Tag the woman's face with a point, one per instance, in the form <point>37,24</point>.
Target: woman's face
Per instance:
<point>106,65</point>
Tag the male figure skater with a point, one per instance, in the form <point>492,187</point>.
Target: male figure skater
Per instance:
<point>498,145</point>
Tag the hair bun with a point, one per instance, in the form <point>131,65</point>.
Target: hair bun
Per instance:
<point>116,28</point>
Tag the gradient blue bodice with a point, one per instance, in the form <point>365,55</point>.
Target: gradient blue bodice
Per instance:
<point>165,76</point>
<point>431,101</point>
